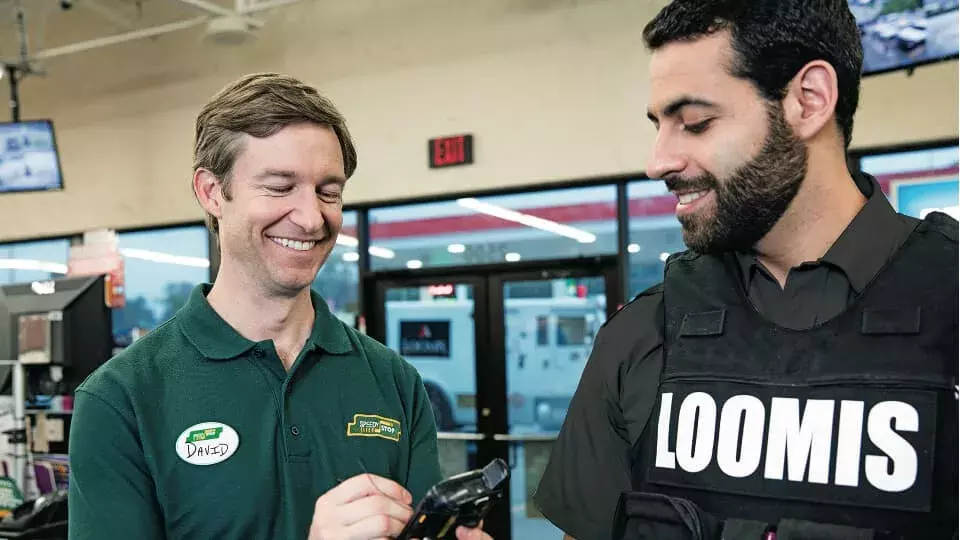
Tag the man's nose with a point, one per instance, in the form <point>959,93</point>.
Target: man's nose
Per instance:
<point>666,157</point>
<point>308,215</point>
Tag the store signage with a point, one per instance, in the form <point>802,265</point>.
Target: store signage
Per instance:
<point>450,151</point>
<point>425,338</point>
<point>446,290</point>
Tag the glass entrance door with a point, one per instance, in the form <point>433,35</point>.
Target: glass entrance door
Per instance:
<point>500,355</point>
<point>548,326</point>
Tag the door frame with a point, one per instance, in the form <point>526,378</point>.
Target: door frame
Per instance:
<point>490,368</point>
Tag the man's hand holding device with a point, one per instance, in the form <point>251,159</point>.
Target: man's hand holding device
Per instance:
<point>363,507</point>
<point>370,507</point>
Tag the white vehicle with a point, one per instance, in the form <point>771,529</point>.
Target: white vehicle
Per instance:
<point>884,30</point>
<point>911,36</point>
<point>438,339</point>
<point>548,341</point>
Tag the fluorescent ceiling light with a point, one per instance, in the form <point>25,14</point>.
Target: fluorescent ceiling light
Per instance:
<point>166,258</point>
<point>376,251</point>
<point>30,264</point>
<point>633,248</point>
<point>456,248</point>
<point>414,264</point>
<point>351,256</point>
<point>664,256</point>
<point>382,252</point>
<point>512,257</point>
<point>347,241</point>
<point>526,219</point>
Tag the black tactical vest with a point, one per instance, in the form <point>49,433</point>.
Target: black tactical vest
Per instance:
<point>845,430</point>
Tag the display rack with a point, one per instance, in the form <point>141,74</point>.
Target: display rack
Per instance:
<point>17,437</point>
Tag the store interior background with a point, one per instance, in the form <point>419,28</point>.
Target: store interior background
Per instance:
<point>553,91</point>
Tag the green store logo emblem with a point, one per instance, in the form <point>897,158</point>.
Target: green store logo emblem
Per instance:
<point>374,425</point>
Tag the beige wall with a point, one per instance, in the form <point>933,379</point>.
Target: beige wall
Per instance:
<point>551,89</point>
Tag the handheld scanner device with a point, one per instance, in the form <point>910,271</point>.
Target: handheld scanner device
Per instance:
<point>464,499</point>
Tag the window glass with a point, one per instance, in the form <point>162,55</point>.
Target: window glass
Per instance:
<point>161,268</point>
<point>41,260</point>
<point>919,181</point>
<point>572,331</point>
<point>528,289</point>
<point>339,278</point>
<point>542,329</point>
<point>654,232</point>
<point>554,224</point>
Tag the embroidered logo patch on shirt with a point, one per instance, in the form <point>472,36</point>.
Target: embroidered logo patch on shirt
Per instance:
<point>373,425</point>
<point>207,443</point>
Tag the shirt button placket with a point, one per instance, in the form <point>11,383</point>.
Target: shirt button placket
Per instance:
<point>297,442</point>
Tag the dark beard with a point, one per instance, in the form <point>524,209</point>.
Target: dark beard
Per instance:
<point>752,199</point>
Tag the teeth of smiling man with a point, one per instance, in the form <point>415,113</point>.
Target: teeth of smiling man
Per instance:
<point>688,198</point>
<point>295,244</point>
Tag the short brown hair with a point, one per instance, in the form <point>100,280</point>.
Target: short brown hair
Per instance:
<point>260,105</point>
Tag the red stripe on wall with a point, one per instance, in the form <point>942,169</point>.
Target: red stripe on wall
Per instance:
<point>662,205</point>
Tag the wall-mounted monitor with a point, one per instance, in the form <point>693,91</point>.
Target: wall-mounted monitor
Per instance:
<point>29,159</point>
<point>903,34</point>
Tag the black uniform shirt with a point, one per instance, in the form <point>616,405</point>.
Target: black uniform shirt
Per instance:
<point>590,462</point>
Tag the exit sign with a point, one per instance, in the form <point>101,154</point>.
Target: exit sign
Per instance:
<point>450,151</point>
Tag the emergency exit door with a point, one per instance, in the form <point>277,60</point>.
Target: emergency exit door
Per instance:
<point>500,354</point>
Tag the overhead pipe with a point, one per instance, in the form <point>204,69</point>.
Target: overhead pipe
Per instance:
<point>253,6</point>
<point>119,38</point>
<point>152,31</point>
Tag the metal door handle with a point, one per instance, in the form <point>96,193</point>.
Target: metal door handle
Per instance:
<point>531,437</point>
<point>455,436</point>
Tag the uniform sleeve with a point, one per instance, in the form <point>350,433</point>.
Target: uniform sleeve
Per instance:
<point>424,457</point>
<point>590,462</point>
<point>111,491</point>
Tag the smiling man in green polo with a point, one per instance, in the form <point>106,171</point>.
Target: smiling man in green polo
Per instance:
<point>254,413</point>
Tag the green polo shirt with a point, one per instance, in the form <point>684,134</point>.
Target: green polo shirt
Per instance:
<point>195,432</point>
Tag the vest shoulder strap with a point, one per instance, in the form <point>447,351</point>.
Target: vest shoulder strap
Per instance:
<point>650,371</point>
<point>942,223</point>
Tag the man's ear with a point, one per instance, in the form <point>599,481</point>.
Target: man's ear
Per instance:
<point>209,191</point>
<point>811,100</point>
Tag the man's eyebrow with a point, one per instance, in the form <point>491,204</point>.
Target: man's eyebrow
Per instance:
<point>292,175</point>
<point>279,173</point>
<point>674,107</point>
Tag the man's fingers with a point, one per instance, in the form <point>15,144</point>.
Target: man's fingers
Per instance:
<point>364,485</point>
<point>373,505</point>
<point>374,527</point>
<point>464,533</point>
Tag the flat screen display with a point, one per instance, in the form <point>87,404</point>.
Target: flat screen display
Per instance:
<point>29,160</point>
<point>900,34</point>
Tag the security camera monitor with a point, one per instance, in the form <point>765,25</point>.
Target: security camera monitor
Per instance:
<point>29,160</point>
<point>903,34</point>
